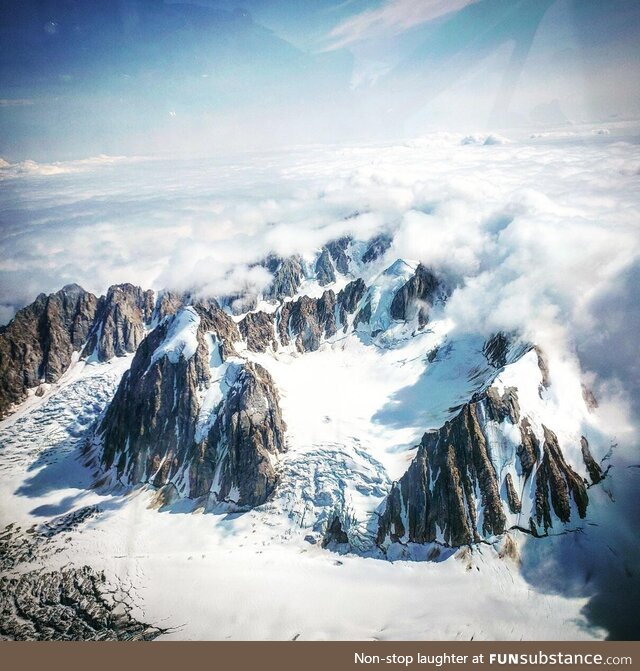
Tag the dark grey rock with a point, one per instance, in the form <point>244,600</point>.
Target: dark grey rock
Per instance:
<point>376,247</point>
<point>595,472</point>
<point>325,273</point>
<point>149,427</point>
<point>452,477</point>
<point>149,432</point>
<point>496,349</point>
<point>38,344</point>
<point>287,276</point>
<point>307,321</point>
<point>335,534</point>
<point>417,296</point>
<point>528,452</point>
<point>120,322</point>
<point>338,251</point>
<point>71,604</point>
<point>556,484</point>
<point>258,330</point>
<point>512,495</point>
<point>349,298</point>
<point>439,488</point>
<point>248,430</point>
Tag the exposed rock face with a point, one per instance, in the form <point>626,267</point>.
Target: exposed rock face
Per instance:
<point>37,345</point>
<point>512,495</point>
<point>528,451</point>
<point>150,425</point>
<point>543,365</point>
<point>338,251</point>
<point>287,276</point>
<point>348,299</point>
<point>377,247</point>
<point>453,493</point>
<point>215,320</point>
<point>556,484</point>
<point>505,406</point>
<point>438,491</point>
<point>334,533</point>
<point>496,350</point>
<point>416,296</point>
<point>595,472</point>
<point>247,433</point>
<point>159,430</point>
<point>168,303</point>
<point>324,269</point>
<point>120,321</point>
<point>258,330</point>
<point>307,320</point>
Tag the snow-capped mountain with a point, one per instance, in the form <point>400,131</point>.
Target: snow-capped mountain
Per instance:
<point>342,408</point>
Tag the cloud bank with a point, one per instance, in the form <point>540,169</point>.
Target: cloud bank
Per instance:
<point>539,235</point>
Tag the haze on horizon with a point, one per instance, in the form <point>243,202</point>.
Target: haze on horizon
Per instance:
<point>82,78</point>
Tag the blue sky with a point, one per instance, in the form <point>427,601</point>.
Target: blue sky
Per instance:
<point>86,77</point>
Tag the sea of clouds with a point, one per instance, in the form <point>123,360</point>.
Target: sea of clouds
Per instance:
<point>541,234</point>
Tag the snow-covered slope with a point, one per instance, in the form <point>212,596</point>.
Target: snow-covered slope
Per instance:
<point>299,450</point>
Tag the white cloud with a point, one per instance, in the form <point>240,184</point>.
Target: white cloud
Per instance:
<point>392,18</point>
<point>535,234</point>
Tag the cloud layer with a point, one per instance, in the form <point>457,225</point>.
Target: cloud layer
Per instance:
<point>539,235</point>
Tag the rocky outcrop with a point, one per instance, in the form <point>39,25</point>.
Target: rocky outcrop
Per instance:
<point>38,344</point>
<point>502,349</point>
<point>376,247</point>
<point>324,269</point>
<point>438,491</point>
<point>496,349</point>
<point>338,249</point>
<point>160,430</point>
<point>417,296</point>
<point>120,322</point>
<point>168,303</point>
<point>460,489</point>
<point>258,331</point>
<point>237,458</point>
<point>528,451</point>
<point>217,321</point>
<point>287,276</point>
<point>306,321</point>
<point>335,534</point>
<point>349,298</point>
<point>557,485</point>
<point>150,425</point>
<point>593,468</point>
<point>512,495</point>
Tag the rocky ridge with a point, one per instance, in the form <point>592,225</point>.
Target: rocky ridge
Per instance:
<point>194,417</point>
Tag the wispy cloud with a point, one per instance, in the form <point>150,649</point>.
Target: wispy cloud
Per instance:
<point>16,102</point>
<point>392,18</point>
